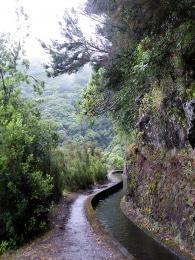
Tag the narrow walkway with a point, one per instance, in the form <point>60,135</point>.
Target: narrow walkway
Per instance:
<point>72,238</point>
<point>80,241</point>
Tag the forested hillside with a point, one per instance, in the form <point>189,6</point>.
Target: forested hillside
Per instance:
<point>144,77</point>
<point>61,97</point>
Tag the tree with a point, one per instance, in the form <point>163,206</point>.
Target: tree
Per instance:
<point>140,41</point>
<point>76,51</point>
<point>28,186</point>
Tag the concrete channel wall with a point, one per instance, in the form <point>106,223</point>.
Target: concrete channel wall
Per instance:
<point>105,236</point>
<point>105,193</point>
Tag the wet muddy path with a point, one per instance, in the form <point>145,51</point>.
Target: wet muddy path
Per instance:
<point>71,237</point>
<point>82,243</point>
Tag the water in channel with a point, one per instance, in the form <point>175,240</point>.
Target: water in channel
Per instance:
<point>129,235</point>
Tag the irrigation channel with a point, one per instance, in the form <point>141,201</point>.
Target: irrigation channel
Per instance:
<point>132,238</point>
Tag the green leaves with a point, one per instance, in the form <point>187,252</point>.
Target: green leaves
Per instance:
<point>26,141</point>
<point>80,165</point>
<point>93,96</point>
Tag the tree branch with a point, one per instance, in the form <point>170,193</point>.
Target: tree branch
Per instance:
<point>3,81</point>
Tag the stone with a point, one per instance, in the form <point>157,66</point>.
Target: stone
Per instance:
<point>190,115</point>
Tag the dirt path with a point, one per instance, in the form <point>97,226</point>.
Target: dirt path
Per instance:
<point>71,238</point>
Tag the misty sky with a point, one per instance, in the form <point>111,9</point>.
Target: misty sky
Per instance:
<point>43,19</point>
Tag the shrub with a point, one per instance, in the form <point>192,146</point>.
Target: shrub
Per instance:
<point>98,169</point>
<point>27,185</point>
<point>80,165</point>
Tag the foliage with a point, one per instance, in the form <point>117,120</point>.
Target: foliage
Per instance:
<point>114,159</point>
<point>113,154</point>
<point>145,42</point>
<point>28,186</point>
<point>94,104</point>
<point>71,55</point>
<point>61,95</point>
<point>80,165</point>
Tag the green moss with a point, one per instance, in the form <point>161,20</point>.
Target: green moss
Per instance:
<point>133,182</point>
<point>151,101</point>
<point>190,92</point>
<point>179,115</point>
<point>158,155</point>
<point>148,211</point>
<point>152,186</point>
<point>140,134</point>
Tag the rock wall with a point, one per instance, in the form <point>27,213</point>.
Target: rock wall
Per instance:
<point>160,166</point>
<point>162,188</point>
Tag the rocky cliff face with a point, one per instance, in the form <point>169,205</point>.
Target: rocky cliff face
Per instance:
<point>161,186</point>
<point>161,164</point>
<point>161,122</point>
<point>190,115</point>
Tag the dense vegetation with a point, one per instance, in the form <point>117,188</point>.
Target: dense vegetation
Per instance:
<point>60,96</point>
<point>27,183</point>
<point>138,44</point>
<point>80,165</point>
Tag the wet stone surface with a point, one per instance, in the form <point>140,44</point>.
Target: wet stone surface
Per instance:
<point>81,242</point>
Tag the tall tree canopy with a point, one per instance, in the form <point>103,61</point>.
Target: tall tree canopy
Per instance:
<point>138,42</point>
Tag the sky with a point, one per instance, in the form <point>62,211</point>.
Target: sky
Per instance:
<point>43,20</point>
